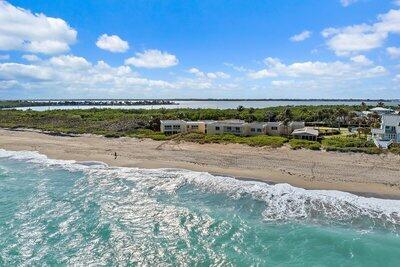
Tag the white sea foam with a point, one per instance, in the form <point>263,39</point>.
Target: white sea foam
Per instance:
<point>282,201</point>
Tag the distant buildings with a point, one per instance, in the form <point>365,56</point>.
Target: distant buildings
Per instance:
<point>388,133</point>
<point>237,127</point>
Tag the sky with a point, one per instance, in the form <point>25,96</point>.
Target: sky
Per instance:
<point>200,49</point>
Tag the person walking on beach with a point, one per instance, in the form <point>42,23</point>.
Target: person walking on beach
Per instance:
<point>115,155</point>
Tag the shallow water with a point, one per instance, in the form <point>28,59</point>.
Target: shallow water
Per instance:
<point>64,213</point>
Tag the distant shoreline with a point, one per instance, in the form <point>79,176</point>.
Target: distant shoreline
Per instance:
<point>215,99</point>
<point>361,174</point>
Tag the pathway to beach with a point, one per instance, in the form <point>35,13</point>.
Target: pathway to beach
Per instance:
<point>372,175</point>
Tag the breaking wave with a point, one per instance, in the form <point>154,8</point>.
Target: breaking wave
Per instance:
<point>283,202</point>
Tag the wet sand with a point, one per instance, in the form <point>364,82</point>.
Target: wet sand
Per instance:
<point>370,175</point>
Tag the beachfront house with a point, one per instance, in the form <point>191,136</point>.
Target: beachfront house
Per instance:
<point>381,111</point>
<point>279,128</point>
<point>237,127</point>
<point>195,126</point>
<point>306,133</point>
<point>173,126</point>
<point>256,128</point>
<point>388,133</point>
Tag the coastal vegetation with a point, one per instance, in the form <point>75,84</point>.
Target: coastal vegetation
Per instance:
<point>332,120</point>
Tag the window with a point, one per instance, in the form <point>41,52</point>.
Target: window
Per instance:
<point>229,128</point>
<point>253,130</point>
<point>258,130</point>
<point>217,128</point>
<point>274,128</point>
<point>167,127</point>
<point>237,129</point>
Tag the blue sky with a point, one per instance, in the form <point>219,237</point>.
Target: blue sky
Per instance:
<point>200,49</point>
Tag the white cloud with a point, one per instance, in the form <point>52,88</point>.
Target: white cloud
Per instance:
<point>70,62</point>
<point>112,43</point>
<point>346,3</point>
<point>262,74</point>
<point>362,37</point>
<point>358,68</point>
<point>31,58</point>
<point>282,83</point>
<point>301,36</point>
<point>362,60</point>
<point>4,57</point>
<point>152,59</point>
<point>394,52</point>
<point>209,75</point>
<point>35,33</point>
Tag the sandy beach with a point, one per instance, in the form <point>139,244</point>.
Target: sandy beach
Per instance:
<point>370,175</point>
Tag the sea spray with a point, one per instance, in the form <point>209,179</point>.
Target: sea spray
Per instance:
<point>66,212</point>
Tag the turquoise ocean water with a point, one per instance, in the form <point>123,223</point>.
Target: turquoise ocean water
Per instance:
<point>66,213</point>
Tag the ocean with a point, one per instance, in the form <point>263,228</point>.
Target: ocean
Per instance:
<point>55,212</point>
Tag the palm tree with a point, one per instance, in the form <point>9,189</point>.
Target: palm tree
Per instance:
<point>363,106</point>
<point>285,117</point>
<point>269,116</point>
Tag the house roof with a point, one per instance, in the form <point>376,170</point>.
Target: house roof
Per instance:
<point>257,124</point>
<point>381,109</point>
<point>274,123</point>
<point>172,121</point>
<point>306,130</point>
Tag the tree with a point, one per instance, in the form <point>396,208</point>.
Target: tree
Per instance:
<point>286,115</point>
<point>381,104</point>
<point>270,116</point>
<point>363,106</point>
<point>240,108</point>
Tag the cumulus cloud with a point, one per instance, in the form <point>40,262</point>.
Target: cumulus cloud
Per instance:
<point>209,75</point>
<point>394,52</point>
<point>70,72</point>
<point>35,33</point>
<point>361,59</point>
<point>264,73</point>
<point>358,68</point>
<point>112,43</point>
<point>152,59</point>
<point>301,36</point>
<point>31,57</point>
<point>363,37</point>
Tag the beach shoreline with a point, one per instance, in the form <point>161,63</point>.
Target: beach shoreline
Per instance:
<point>361,174</point>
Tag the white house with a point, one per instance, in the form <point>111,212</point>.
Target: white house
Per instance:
<point>173,126</point>
<point>256,128</point>
<point>306,133</point>
<point>237,127</point>
<point>388,133</point>
<point>381,111</point>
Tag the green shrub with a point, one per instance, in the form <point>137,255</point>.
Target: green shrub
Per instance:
<point>367,150</point>
<point>346,142</point>
<point>298,144</point>
<point>395,149</point>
